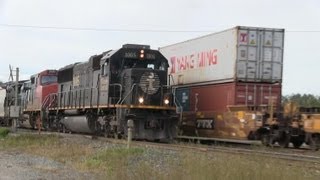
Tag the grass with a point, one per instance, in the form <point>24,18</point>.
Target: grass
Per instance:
<point>113,162</point>
<point>28,141</point>
<point>121,163</point>
<point>224,166</point>
<point>4,132</point>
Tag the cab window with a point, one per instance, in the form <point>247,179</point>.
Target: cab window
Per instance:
<point>48,79</point>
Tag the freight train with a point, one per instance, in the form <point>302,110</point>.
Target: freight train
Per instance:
<point>228,86</point>
<point>102,94</point>
<point>224,85</point>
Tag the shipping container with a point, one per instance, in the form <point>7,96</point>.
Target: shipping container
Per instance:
<point>220,97</point>
<point>182,95</point>
<point>247,54</point>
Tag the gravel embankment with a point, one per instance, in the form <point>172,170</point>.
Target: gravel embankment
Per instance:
<point>21,165</point>
<point>148,162</point>
<point>15,165</point>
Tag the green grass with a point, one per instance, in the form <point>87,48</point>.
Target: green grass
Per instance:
<point>4,132</point>
<point>224,166</point>
<point>121,163</point>
<point>28,141</point>
<point>111,161</point>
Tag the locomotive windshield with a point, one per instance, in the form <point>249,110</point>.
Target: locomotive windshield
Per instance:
<point>151,64</point>
<point>49,79</point>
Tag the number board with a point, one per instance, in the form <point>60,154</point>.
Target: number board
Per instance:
<point>131,55</point>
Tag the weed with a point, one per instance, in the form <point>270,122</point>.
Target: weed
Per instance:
<point>4,132</point>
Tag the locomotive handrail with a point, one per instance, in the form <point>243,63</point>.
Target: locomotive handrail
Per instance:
<point>76,90</point>
<point>84,89</point>
<point>133,85</point>
<point>177,104</point>
<point>118,84</point>
<point>170,78</point>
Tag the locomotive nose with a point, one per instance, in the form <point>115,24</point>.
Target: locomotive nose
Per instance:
<point>153,124</point>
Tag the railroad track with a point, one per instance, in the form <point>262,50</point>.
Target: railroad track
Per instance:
<point>233,150</point>
<point>292,156</point>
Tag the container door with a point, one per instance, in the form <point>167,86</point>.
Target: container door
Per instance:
<point>260,54</point>
<point>268,92</point>
<point>183,98</point>
<point>246,94</point>
<point>271,56</point>
<point>248,60</point>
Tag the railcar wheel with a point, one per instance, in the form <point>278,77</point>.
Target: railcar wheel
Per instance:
<point>284,140</point>
<point>265,140</point>
<point>315,142</point>
<point>297,143</point>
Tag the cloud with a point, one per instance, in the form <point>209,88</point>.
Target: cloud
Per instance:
<point>34,50</point>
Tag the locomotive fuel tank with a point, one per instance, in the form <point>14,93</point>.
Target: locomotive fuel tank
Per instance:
<point>80,124</point>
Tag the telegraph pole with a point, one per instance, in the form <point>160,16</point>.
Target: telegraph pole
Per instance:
<point>16,88</point>
<point>14,111</point>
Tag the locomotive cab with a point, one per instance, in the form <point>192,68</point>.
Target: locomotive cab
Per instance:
<point>40,94</point>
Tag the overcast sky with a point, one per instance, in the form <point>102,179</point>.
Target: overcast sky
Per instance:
<point>117,21</point>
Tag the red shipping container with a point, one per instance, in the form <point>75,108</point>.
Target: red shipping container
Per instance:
<point>217,97</point>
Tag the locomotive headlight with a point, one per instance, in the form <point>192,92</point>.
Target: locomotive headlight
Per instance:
<point>142,54</point>
<point>140,100</point>
<point>166,101</point>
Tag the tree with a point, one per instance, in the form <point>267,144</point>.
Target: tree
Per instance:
<point>304,100</point>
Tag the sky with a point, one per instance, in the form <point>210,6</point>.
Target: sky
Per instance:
<point>81,28</point>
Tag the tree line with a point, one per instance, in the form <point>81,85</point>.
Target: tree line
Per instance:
<point>303,100</point>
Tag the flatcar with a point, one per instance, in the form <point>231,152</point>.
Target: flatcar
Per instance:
<point>103,93</point>
<point>296,125</point>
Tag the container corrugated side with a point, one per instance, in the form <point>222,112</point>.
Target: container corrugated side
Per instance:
<point>203,59</point>
<point>218,97</point>
<point>239,54</point>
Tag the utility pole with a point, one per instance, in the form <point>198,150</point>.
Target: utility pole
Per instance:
<point>14,111</point>
<point>16,88</point>
<point>16,83</point>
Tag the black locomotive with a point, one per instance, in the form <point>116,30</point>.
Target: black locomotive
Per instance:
<point>102,94</point>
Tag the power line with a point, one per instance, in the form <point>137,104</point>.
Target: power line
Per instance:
<point>127,30</point>
<point>97,29</point>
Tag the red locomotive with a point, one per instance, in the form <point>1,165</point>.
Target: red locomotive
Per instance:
<point>37,96</point>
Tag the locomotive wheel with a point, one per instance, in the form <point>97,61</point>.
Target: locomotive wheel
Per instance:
<point>32,121</point>
<point>107,131</point>
<point>116,135</point>
<point>284,140</point>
